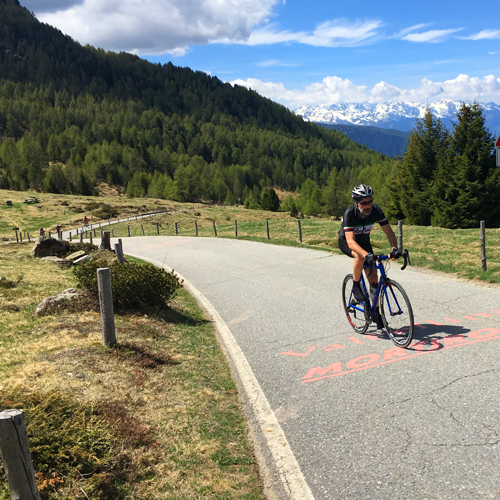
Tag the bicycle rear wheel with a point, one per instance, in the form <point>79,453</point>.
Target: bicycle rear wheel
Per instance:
<point>355,312</point>
<point>397,314</point>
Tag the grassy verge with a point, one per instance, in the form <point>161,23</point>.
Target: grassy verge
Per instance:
<point>156,417</point>
<point>452,251</point>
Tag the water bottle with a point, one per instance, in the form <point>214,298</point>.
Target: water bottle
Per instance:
<point>373,289</point>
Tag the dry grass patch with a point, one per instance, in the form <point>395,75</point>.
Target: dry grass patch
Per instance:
<point>157,416</point>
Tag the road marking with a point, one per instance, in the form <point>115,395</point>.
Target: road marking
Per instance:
<point>393,354</point>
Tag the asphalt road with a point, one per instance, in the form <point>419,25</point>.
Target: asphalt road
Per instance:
<point>355,417</point>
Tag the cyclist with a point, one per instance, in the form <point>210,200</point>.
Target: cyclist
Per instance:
<point>354,238</point>
<point>85,221</point>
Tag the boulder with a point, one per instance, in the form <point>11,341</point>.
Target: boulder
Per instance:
<point>82,260</point>
<point>75,255</point>
<point>58,260</point>
<point>46,246</point>
<point>49,303</point>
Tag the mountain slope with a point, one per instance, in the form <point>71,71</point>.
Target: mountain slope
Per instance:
<point>389,142</point>
<point>73,116</point>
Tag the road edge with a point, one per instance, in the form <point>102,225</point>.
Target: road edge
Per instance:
<point>264,425</point>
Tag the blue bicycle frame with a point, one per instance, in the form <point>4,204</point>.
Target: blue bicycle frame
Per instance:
<point>395,308</point>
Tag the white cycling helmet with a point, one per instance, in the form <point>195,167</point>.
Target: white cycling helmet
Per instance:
<point>361,191</point>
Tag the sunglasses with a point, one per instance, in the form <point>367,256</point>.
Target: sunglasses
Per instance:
<point>365,203</point>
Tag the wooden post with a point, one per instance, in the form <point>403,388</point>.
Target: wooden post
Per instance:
<point>235,228</point>
<point>81,237</point>
<point>119,253</point>
<point>267,228</point>
<point>29,239</point>
<point>157,228</point>
<point>21,237</point>
<point>400,235</point>
<point>112,233</point>
<point>483,245</point>
<point>16,457</point>
<point>128,231</point>
<point>106,305</point>
<point>142,227</point>
<point>70,236</point>
<point>91,238</point>
<point>300,230</point>
<point>105,240</point>
<point>215,229</point>
<point>16,229</point>
<point>195,228</point>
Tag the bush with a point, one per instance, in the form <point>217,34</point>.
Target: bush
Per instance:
<point>105,211</point>
<point>132,285</point>
<point>70,443</point>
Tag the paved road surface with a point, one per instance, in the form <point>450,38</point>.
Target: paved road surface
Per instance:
<point>361,418</point>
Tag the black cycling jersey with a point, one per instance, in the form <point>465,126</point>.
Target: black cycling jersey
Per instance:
<point>352,221</point>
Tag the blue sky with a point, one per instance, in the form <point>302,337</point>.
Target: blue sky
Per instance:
<point>304,52</point>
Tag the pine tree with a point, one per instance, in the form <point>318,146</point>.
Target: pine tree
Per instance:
<point>413,189</point>
<point>470,180</point>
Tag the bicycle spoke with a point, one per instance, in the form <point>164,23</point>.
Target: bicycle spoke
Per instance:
<point>397,313</point>
<point>355,312</point>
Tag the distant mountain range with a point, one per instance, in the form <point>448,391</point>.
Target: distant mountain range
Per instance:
<point>368,123</point>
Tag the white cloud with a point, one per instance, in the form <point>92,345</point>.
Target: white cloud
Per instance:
<point>483,35</point>
<point>337,33</point>
<point>156,26</point>
<point>332,90</point>
<point>431,36</point>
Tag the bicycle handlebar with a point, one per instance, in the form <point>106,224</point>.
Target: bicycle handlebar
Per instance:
<point>405,255</point>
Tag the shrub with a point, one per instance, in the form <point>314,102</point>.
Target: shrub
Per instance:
<point>132,285</point>
<point>71,445</point>
<point>105,211</point>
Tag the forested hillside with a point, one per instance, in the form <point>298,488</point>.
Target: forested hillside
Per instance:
<point>73,116</point>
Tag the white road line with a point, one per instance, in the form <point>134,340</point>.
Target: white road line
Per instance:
<point>291,476</point>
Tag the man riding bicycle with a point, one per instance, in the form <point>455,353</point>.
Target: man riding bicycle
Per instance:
<point>354,238</point>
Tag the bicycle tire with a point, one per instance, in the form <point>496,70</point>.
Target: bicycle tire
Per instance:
<point>397,314</point>
<point>356,318</point>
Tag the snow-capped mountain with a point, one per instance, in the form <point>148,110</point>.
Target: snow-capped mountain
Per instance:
<point>395,115</point>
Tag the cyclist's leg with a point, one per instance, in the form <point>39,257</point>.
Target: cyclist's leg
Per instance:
<point>359,260</point>
<point>357,269</point>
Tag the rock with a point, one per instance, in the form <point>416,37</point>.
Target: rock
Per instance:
<point>82,260</point>
<point>75,255</point>
<point>46,246</point>
<point>49,303</point>
<point>58,260</point>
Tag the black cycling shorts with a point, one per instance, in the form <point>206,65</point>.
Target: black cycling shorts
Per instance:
<point>365,245</point>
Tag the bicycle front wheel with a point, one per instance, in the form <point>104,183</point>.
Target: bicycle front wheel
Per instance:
<point>397,314</point>
<point>355,312</point>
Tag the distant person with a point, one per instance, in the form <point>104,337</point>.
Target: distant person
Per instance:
<point>354,239</point>
<point>85,221</point>
<point>42,231</point>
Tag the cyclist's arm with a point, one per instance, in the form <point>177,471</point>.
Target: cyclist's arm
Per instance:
<point>390,235</point>
<point>351,242</point>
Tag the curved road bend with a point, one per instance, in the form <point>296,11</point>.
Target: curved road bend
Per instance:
<point>353,416</point>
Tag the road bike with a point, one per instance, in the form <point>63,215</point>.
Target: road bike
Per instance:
<point>395,307</point>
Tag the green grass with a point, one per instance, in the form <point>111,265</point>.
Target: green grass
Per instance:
<point>453,251</point>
